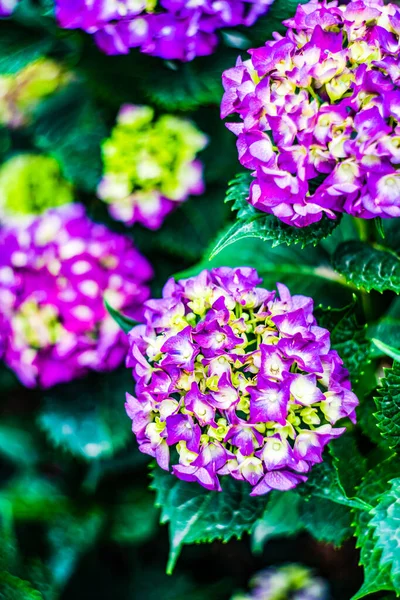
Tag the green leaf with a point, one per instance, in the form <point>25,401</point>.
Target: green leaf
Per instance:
<point>33,498</point>
<point>185,86</point>
<point>366,419</point>
<point>238,193</point>
<point>8,540</point>
<point>304,271</point>
<point>367,267</point>
<point>280,518</point>
<point>20,47</point>
<point>17,444</point>
<point>324,481</point>
<point>252,223</point>
<point>375,578</point>
<point>386,521</point>
<point>388,404</point>
<point>348,337</point>
<point>386,329</point>
<point>70,128</point>
<point>69,537</point>
<point>14,588</point>
<point>388,350</point>
<point>374,484</point>
<point>134,518</point>
<point>326,521</point>
<point>197,515</point>
<point>87,418</point>
<point>124,322</point>
<point>350,465</point>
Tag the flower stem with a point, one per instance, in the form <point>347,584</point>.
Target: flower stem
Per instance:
<point>365,229</point>
<point>366,232</point>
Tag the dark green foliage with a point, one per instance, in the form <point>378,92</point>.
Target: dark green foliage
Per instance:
<point>304,271</point>
<point>368,267</point>
<point>377,576</point>
<point>325,482</point>
<point>348,337</point>
<point>14,588</point>
<point>17,52</point>
<point>70,128</point>
<point>386,521</point>
<point>89,423</point>
<point>197,515</point>
<point>281,517</point>
<point>388,404</point>
<point>326,521</point>
<point>252,223</point>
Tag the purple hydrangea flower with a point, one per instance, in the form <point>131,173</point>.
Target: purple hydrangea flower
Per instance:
<point>170,29</point>
<point>7,7</point>
<point>54,276</point>
<point>320,114</point>
<point>287,582</point>
<point>240,382</point>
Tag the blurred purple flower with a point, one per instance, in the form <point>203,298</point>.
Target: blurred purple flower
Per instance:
<point>7,7</point>
<point>240,382</point>
<point>172,29</point>
<point>54,276</point>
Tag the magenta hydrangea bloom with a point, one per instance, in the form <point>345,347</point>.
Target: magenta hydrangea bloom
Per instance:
<point>240,382</point>
<point>54,276</point>
<point>7,7</point>
<point>320,114</point>
<point>170,29</point>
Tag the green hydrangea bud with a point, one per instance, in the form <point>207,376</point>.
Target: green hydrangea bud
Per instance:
<point>21,92</point>
<point>29,185</point>
<point>146,161</point>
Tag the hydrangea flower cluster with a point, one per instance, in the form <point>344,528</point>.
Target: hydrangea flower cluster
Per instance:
<point>54,275</point>
<point>238,381</point>
<point>21,92</point>
<point>7,7</point>
<point>170,29</point>
<point>320,110</point>
<point>288,582</point>
<point>150,166</point>
<point>29,185</point>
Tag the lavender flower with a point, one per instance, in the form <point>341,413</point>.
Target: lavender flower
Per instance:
<point>53,277</point>
<point>150,167</point>
<point>7,7</point>
<point>240,382</point>
<point>320,114</point>
<point>171,29</point>
<point>288,582</point>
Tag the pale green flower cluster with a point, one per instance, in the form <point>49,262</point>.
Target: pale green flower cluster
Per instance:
<point>30,184</point>
<point>147,161</point>
<point>21,92</point>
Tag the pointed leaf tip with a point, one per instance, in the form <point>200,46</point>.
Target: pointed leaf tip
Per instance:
<point>124,322</point>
